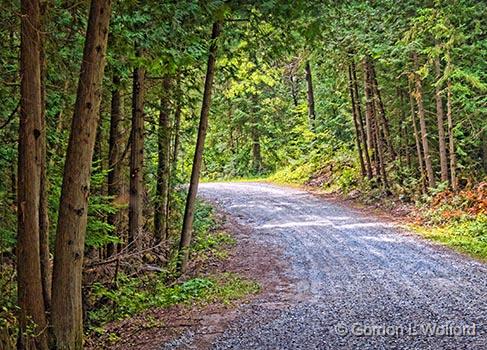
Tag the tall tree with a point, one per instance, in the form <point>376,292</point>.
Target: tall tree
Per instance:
<point>360,120</point>
<point>440,120</point>
<point>163,166</point>
<point>311,96</point>
<point>115,154</point>
<point>46,272</point>
<point>30,289</point>
<point>368,105</point>
<point>137,154</point>
<point>417,138</point>
<point>67,314</point>
<point>186,231</point>
<point>451,139</point>
<point>355,121</point>
<point>382,114</point>
<point>422,122</point>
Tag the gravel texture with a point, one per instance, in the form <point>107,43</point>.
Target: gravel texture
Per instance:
<point>357,282</point>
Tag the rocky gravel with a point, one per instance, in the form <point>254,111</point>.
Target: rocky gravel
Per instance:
<point>357,282</point>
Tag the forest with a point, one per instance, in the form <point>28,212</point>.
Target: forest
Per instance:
<point>113,112</point>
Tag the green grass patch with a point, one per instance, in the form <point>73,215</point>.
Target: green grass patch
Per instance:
<point>468,235</point>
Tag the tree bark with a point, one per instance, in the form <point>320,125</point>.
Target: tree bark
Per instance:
<point>174,156</point>
<point>176,130</point>
<point>30,288</point>
<point>422,122</point>
<point>46,271</point>
<point>186,231</point>
<point>404,129</point>
<point>70,238</point>
<point>383,119</point>
<point>361,123</point>
<point>419,151</point>
<point>451,140</point>
<point>377,133</point>
<point>370,117</point>
<point>368,104</point>
<point>137,155</point>
<point>355,122</point>
<point>311,96</point>
<point>115,180</point>
<point>440,119</point>
<point>163,166</point>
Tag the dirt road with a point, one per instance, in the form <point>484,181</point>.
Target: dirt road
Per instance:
<point>357,282</point>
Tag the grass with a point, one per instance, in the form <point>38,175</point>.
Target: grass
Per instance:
<point>468,236</point>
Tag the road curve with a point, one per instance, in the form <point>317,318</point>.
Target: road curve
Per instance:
<point>358,282</point>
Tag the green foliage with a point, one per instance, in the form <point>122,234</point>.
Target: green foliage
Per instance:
<point>468,235</point>
<point>8,303</point>
<point>137,294</point>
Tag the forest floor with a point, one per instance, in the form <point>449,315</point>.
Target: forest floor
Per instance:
<point>332,276</point>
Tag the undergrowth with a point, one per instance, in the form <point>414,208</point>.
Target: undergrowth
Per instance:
<point>129,296</point>
<point>137,294</point>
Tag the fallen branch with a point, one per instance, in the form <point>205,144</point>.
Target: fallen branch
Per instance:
<point>120,256</point>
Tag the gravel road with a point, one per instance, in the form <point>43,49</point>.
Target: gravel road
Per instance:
<point>358,282</point>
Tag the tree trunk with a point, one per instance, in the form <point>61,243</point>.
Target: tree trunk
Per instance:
<point>361,123</point>
<point>370,117</point>
<point>256,155</point>
<point>440,119</point>
<point>375,124</point>
<point>368,104</point>
<point>355,122</point>
<point>419,151</point>
<point>137,155</point>
<point>380,153</point>
<point>311,97</point>
<point>451,140</point>
<point>46,271</point>
<point>383,120</point>
<point>176,130</point>
<point>174,156</point>
<point>30,292</point>
<point>294,90</point>
<point>404,129</point>
<point>186,231</point>
<point>114,181</point>
<point>70,238</point>
<point>163,167</point>
<point>422,122</point>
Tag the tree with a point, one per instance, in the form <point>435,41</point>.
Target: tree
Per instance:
<point>30,290</point>
<point>440,119</point>
<point>137,154</point>
<point>115,158</point>
<point>163,165</point>
<point>422,122</point>
<point>67,317</point>
<point>186,231</point>
<point>355,117</point>
<point>311,96</point>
